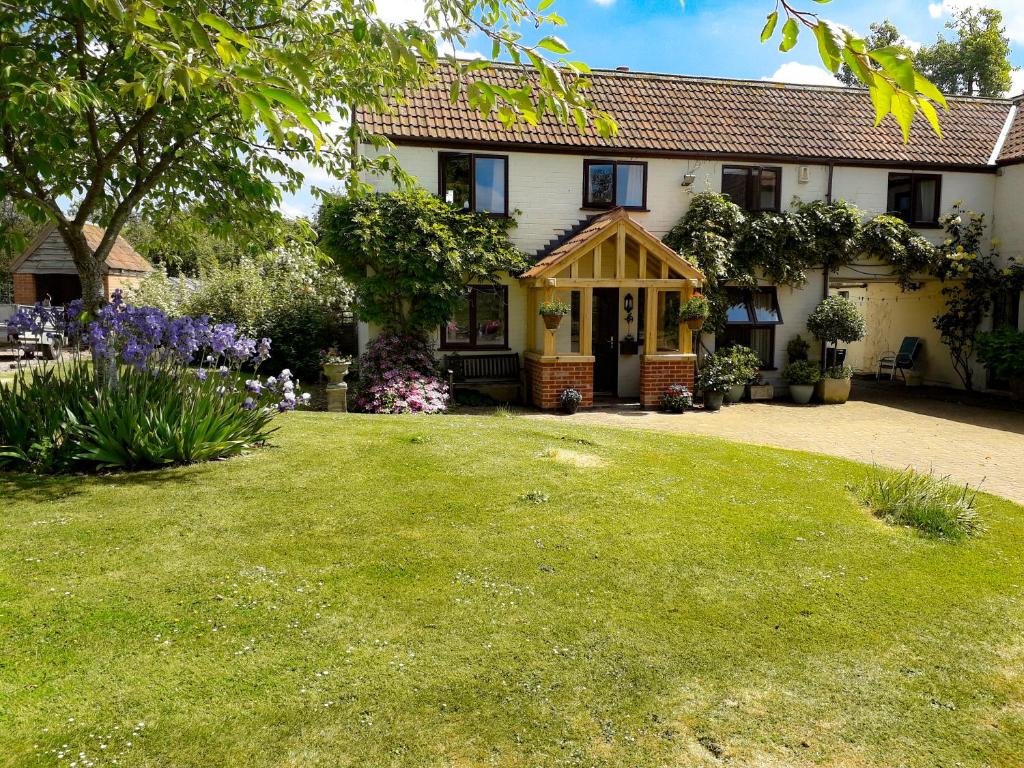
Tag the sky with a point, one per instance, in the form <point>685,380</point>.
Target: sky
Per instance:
<point>718,38</point>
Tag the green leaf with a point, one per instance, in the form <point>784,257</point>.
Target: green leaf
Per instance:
<point>927,89</point>
<point>202,39</point>
<point>897,65</point>
<point>790,32</point>
<point>225,29</point>
<point>857,66</point>
<point>545,4</point>
<point>881,97</point>
<point>554,44</point>
<point>828,46</point>
<point>769,26</point>
<point>455,90</point>
<point>114,8</point>
<point>904,107</point>
<point>930,114</point>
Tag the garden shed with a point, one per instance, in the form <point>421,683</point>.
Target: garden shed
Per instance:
<point>46,268</point>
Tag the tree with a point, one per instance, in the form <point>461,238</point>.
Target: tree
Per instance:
<point>880,35</point>
<point>977,62</point>
<point>836,319</point>
<point>409,255</point>
<point>128,105</point>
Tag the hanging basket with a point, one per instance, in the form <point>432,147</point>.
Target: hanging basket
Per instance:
<point>551,322</point>
<point>695,324</point>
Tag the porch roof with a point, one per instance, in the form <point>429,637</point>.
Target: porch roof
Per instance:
<point>599,229</point>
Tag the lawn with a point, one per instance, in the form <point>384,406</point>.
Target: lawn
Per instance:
<point>480,590</point>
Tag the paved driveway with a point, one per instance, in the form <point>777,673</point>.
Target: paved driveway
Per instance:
<point>971,444</point>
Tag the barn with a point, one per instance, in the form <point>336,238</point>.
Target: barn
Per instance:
<point>46,269</point>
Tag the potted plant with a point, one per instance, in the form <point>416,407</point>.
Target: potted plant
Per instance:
<point>797,349</point>
<point>694,311</point>
<point>801,376</point>
<point>334,366</point>
<point>1002,351</point>
<point>676,398</point>
<point>570,400</point>
<point>836,319</point>
<point>744,365</point>
<point>713,379</point>
<point>834,387</point>
<point>553,311</point>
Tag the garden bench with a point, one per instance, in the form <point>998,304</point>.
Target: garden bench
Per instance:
<point>484,372</point>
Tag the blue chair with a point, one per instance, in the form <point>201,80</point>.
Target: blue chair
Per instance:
<point>891,363</point>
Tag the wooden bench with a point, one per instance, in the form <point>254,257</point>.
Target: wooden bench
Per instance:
<point>484,371</point>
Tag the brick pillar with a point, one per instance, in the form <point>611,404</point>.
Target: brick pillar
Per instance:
<point>24,288</point>
<point>548,377</point>
<point>656,374</point>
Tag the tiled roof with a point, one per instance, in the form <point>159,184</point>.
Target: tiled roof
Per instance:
<point>122,256</point>
<point>674,114</point>
<point>1013,147</point>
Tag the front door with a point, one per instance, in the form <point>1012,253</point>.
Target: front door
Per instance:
<point>604,343</point>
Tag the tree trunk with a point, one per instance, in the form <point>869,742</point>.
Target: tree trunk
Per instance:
<point>90,268</point>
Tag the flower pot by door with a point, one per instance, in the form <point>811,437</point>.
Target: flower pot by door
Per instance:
<point>551,322</point>
<point>833,391</point>
<point>735,394</point>
<point>801,393</point>
<point>713,401</point>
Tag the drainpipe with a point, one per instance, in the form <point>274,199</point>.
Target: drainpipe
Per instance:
<point>824,271</point>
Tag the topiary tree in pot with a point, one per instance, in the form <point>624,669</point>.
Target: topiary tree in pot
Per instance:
<point>836,319</point>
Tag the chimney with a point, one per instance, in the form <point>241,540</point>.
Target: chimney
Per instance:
<point>622,69</point>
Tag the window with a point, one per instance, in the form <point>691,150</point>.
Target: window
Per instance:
<point>475,182</point>
<point>607,184</point>
<point>915,198</point>
<point>480,321</point>
<point>752,187</point>
<point>668,321</point>
<point>750,320</point>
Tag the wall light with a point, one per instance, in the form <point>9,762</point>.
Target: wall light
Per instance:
<point>688,179</point>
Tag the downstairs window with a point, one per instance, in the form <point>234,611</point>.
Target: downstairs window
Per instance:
<point>750,321</point>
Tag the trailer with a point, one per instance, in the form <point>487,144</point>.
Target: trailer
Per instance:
<point>47,338</point>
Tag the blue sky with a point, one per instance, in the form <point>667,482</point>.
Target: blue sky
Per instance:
<point>713,38</point>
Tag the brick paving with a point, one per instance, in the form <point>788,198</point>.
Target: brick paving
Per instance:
<point>968,443</point>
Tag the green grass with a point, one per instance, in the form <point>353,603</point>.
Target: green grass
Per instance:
<point>480,591</point>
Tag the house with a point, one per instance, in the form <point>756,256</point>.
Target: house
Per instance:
<point>593,211</point>
<point>46,269</point>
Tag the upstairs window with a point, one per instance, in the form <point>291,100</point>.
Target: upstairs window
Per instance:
<point>480,320</point>
<point>915,198</point>
<point>753,188</point>
<point>475,182</point>
<point>750,320</point>
<point>609,184</point>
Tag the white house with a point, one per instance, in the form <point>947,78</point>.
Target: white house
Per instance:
<point>594,210</point>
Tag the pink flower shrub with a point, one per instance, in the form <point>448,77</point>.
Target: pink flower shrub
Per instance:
<point>398,374</point>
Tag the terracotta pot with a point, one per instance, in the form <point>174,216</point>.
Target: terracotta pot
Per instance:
<point>335,372</point>
<point>551,322</point>
<point>735,394</point>
<point>801,393</point>
<point>696,324</point>
<point>713,401</point>
<point>833,391</point>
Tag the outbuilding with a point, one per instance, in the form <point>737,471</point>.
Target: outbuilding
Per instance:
<point>46,269</point>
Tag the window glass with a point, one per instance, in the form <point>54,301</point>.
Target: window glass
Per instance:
<point>599,184</point>
<point>767,187</point>
<point>761,341</point>
<point>457,331</point>
<point>455,180</point>
<point>900,196</point>
<point>737,311</point>
<point>734,185</point>
<point>629,185</point>
<point>574,322</point>
<point>490,184</point>
<point>490,316</point>
<point>926,200</point>
<point>668,321</point>
<point>763,304</point>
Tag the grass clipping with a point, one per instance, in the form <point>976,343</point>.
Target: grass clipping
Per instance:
<point>932,504</point>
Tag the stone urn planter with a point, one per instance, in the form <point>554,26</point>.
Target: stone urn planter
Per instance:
<point>713,401</point>
<point>833,391</point>
<point>801,393</point>
<point>335,372</point>
<point>735,394</point>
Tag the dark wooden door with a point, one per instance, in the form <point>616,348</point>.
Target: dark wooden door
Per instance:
<point>605,342</point>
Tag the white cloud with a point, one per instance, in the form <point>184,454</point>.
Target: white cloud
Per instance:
<point>802,74</point>
<point>292,211</point>
<point>1013,13</point>
<point>1016,83</point>
<point>606,3</point>
<point>399,11</point>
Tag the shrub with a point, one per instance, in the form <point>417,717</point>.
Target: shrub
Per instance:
<point>715,374</point>
<point>837,319</point>
<point>143,406</point>
<point>839,372</point>
<point>1003,351</point>
<point>742,361</point>
<point>398,374</point>
<point>797,349</point>
<point>801,372</point>
<point>931,504</point>
<point>570,398</point>
<point>676,398</point>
